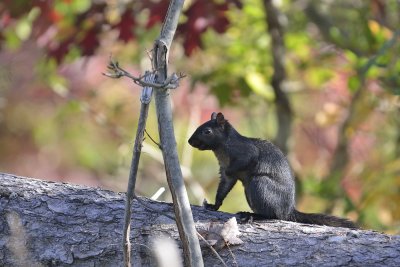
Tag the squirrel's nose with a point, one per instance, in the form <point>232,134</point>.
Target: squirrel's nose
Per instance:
<point>192,141</point>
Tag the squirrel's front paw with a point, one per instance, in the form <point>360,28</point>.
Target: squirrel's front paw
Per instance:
<point>245,217</point>
<point>208,206</point>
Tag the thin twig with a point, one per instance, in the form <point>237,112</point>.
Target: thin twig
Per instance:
<point>154,141</point>
<point>233,255</point>
<point>149,54</point>
<point>212,249</point>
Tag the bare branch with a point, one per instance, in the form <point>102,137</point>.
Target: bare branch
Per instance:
<point>117,72</point>
<point>154,141</point>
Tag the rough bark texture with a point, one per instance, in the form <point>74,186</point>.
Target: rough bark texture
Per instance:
<point>53,224</point>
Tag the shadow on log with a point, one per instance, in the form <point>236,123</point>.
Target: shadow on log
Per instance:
<point>54,224</point>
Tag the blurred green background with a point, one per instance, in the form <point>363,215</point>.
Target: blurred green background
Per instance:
<point>334,107</point>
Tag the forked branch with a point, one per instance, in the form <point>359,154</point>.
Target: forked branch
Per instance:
<point>171,82</point>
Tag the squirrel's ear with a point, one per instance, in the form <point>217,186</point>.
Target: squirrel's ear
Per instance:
<point>214,116</point>
<point>220,119</point>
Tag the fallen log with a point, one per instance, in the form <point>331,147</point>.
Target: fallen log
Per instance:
<point>57,224</point>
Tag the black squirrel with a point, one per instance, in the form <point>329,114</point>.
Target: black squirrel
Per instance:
<point>261,167</point>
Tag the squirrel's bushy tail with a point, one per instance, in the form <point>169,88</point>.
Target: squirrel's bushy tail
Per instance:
<point>322,219</point>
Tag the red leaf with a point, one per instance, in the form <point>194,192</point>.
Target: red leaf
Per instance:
<point>126,26</point>
<point>5,20</point>
<point>87,39</point>
<point>158,10</point>
<point>59,50</point>
<point>90,42</point>
<point>202,15</point>
<point>55,16</point>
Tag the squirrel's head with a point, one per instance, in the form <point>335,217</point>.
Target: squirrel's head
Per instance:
<point>211,134</point>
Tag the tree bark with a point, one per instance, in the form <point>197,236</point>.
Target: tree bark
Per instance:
<point>183,214</point>
<point>54,224</point>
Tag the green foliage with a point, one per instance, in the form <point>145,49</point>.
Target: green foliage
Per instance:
<point>238,57</point>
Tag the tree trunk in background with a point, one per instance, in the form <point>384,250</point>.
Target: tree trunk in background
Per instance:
<point>54,224</point>
<point>282,103</point>
<point>397,144</point>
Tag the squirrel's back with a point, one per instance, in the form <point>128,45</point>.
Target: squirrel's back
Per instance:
<point>272,161</point>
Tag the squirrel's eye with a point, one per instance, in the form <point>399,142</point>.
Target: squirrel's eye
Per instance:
<point>207,131</point>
